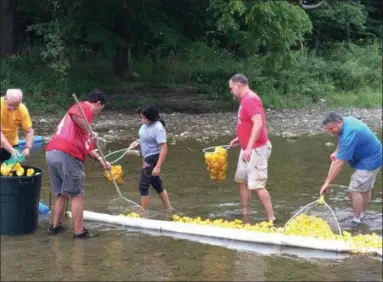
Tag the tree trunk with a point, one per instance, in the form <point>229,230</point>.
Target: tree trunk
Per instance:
<point>130,60</point>
<point>122,60</point>
<point>316,43</point>
<point>348,33</point>
<point>7,27</point>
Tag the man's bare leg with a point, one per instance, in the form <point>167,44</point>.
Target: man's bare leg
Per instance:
<point>58,213</point>
<point>265,200</point>
<point>357,204</point>
<point>366,200</point>
<point>245,196</point>
<point>78,213</point>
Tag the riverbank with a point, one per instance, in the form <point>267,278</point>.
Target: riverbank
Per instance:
<point>207,127</point>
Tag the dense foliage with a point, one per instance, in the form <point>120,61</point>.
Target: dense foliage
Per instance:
<point>292,56</point>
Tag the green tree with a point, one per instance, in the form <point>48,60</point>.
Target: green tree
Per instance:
<point>268,27</point>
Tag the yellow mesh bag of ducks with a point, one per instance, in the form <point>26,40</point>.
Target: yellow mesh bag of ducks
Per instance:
<point>15,170</point>
<point>117,173</point>
<point>216,160</point>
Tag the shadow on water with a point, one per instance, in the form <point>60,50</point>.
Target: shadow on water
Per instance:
<point>296,172</point>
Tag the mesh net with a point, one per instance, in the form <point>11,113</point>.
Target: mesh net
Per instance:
<point>319,214</point>
<point>121,205</point>
<point>216,160</point>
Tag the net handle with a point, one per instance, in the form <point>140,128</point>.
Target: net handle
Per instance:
<point>125,151</point>
<point>332,163</point>
<point>206,150</point>
<point>328,173</point>
<point>100,151</point>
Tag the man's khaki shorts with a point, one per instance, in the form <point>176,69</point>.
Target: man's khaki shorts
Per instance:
<point>254,173</point>
<point>363,180</point>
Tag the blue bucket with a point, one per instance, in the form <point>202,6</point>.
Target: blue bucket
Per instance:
<point>43,209</point>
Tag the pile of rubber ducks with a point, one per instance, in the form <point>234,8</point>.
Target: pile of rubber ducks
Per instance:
<point>132,214</point>
<point>361,243</point>
<point>216,163</point>
<point>117,173</point>
<point>265,226</point>
<point>15,170</point>
<point>303,225</point>
<point>306,225</point>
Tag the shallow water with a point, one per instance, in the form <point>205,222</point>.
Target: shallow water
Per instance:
<point>296,171</point>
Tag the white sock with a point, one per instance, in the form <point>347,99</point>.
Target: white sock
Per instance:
<point>362,214</point>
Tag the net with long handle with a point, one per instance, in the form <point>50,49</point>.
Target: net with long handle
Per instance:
<point>128,203</point>
<point>316,215</point>
<point>216,160</point>
<point>311,212</point>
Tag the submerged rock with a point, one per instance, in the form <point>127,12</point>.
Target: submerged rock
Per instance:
<point>289,135</point>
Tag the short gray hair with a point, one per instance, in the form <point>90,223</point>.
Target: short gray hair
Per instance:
<point>239,78</point>
<point>332,117</point>
<point>14,93</point>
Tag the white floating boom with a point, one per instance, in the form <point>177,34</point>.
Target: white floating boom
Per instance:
<point>240,235</point>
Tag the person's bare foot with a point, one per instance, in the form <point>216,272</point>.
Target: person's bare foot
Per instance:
<point>245,211</point>
<point>170,210</point>
<point>246,219</point>
<point>143,213</point>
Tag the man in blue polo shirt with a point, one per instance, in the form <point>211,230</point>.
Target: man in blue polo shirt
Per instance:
<point>358,146</point>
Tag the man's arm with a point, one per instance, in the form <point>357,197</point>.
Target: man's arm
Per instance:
<point>80,122</point>
<point>345,153</point>
<point>94,155</point>
<point>26,124</point>
<point>333,155</point>
<point>335,170</point>
<point>29,135</point>
<point>256,130</point>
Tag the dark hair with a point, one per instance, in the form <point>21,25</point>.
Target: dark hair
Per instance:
<point>332,117</point>
<point>151,113</point>
<point>96,95</point>
<point>239,78</point>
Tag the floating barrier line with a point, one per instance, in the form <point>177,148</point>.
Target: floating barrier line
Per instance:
<point>338,246</point>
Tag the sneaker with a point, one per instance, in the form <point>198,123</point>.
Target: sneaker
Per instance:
<point>356,221</point>
<point>362,215</point>
<point>55,230</point>
<point>275,221</point>
<point>85,234</point>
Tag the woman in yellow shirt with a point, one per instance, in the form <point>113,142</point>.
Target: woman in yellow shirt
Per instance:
<point>14,114</point>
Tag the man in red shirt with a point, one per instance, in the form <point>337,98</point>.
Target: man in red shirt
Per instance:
<point>65,156</point>
<point>253,138</point>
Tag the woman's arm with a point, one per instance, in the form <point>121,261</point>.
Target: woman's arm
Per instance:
<point>161,159</point>
<point>163,152</point>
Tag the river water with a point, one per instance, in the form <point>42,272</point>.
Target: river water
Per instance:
<point>296,171</point>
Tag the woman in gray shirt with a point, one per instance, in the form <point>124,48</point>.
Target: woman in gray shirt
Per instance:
<point>152,136</point>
